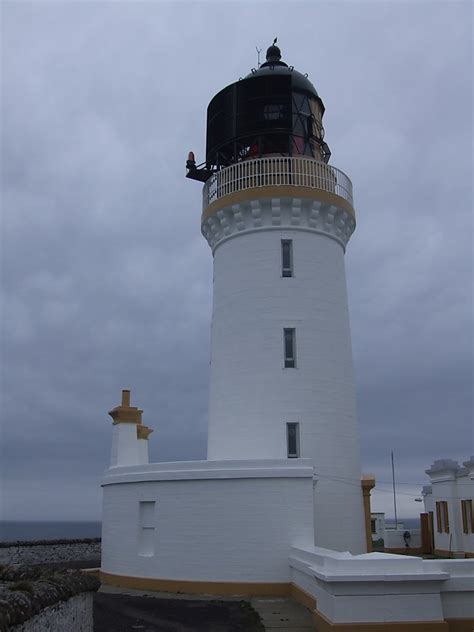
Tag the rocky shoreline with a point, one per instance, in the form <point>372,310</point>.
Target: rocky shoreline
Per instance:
<point>86,551</point>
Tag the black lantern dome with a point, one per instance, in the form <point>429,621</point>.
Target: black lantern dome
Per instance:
<point>274,110</point>
<point>274,66</point>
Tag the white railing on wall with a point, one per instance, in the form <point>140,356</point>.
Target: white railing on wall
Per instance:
<point>277,171</point>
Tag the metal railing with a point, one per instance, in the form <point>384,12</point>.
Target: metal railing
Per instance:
<point>277,171</point>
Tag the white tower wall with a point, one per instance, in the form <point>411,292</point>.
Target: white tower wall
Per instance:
<point>252,395</point>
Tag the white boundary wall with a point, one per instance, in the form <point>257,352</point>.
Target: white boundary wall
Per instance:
<point>379,587</point>
<point>393,539</point>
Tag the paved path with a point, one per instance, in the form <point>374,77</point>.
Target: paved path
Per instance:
<point>127,610</point>
<point>128,613</point>
<point>283,615</point>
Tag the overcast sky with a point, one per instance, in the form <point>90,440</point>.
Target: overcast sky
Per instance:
<point>107,281</point>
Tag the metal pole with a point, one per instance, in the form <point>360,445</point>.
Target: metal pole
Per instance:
<point>394,494</point>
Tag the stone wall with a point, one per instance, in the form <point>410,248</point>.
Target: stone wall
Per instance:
<point>394,540</point>
<point>50,551</point>
<point>38,599</point>
<point>73,615</point>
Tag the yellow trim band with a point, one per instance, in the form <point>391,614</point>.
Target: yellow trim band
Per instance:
<point>282,191</point>
<point>368,483</point>
<point>279,589</point>
<point>322,624</point>
<point>126,413</point>
<point>143,432</point>
<point>303,597</point>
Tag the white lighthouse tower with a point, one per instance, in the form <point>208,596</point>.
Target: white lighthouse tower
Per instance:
<point>281,488</point>
<point>278,218</point>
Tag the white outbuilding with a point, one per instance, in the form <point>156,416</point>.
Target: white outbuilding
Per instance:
<point>449,502</point>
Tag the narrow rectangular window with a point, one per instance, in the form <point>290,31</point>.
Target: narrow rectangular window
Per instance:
<point>431,526</point>
<point>464,516</point>
<point>444,505</point>
<point>467,516</point>
<point>293,440</point>
<point>290,348</point>
<point>439,524</point>
<point>373,526</point>
<point>442,516</point>
<point>146,535</point>
<point>287,257</point>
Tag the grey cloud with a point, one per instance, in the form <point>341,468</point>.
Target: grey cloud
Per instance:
<point>107,282</point>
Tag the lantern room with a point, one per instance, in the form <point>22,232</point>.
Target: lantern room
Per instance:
<point>273,111</point>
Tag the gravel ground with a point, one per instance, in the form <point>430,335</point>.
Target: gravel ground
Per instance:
<point>128,613</point>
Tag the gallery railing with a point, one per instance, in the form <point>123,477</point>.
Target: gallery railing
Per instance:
<point>277,171</point>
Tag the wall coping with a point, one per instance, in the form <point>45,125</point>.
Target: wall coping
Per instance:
<point>469,463</point>
<point>443,466</point>
<point>333,566</point>
<point>209,470</point>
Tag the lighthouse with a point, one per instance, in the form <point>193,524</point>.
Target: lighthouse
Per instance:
<point>281,487</point>
<point>277,217</point>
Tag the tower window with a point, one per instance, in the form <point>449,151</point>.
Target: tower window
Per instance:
<point>293,440</point>
<point>289,348</point>
<point>286,257</point>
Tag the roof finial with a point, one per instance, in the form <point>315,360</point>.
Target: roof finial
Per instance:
<point>273,52</point>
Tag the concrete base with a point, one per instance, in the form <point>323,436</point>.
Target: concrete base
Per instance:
<point>320,621</point>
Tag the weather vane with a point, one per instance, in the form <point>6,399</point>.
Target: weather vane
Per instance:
<point>259,50</point>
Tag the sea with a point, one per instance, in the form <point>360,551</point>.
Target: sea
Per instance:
<point>403,523</point>
<point>11,530</point>
<point>56,530</point>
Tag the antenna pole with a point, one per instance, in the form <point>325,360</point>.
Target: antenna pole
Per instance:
<point>394,494</point>
<point>259,50</point>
